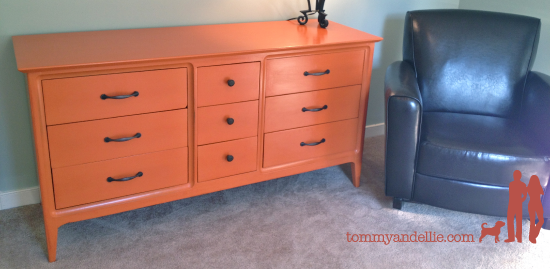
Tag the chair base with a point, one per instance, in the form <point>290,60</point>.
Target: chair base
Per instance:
<point>397,203</point>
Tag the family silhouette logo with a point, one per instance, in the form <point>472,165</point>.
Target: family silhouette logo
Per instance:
<point>518,191</point>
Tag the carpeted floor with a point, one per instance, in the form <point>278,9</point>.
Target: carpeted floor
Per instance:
<point>299,221</point>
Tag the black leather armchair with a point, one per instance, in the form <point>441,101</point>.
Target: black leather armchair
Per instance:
<point>464,110</point>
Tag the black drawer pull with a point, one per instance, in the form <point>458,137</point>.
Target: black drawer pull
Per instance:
<point>108,139</point>
<point>230,121</point>
<point>231,83</point>
<point>314,109</point>
<point>110,179</point>
<point>316,74</point>
<point>134,94</point>
<point>313,144</point>
<point>230,158</point>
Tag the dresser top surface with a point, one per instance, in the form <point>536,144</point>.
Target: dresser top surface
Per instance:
<point>47,51</point>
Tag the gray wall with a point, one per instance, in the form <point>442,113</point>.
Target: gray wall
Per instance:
<point>534,8</point>
<point>19,17</point>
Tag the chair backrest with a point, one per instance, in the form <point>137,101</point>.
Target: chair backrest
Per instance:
<point>473,62</point>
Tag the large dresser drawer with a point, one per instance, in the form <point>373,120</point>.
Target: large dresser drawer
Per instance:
<point>310,108</point>
<point>84,98</point>
<point>227,122</point>
<point>314,72</point>
<point>228,83</point>
<point>87,183</point>
<point>309,142</point>
<point>85,142</point>
<point>227,158</point>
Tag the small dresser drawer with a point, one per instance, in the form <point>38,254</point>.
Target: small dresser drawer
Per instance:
<point>309,142</point>
<point>84,98</point>
<point>314,72</point>
<point>88,183</point>
<point>227,122</point>
<point>310,108</point>
<point>228,84</point>
<point>85,142</point>
<point>227,158</point>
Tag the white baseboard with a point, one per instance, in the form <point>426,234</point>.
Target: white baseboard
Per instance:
<point>32,195</point>
<point>19,198</point>
<point>375,130</point>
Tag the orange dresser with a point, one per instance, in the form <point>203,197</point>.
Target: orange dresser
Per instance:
<point>120,124</point>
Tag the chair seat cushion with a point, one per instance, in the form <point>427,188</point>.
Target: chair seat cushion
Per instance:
<point>479,149</point>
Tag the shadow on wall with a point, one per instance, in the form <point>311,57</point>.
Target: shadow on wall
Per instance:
<point>391,50</point>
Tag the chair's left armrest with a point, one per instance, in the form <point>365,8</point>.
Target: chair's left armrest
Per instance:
<point>403,115</point>
<point>536,117</point>
<point>536,107</point>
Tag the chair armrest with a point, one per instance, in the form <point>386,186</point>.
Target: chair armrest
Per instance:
<point>536,107</point>
<point>403,117</point>
<point>536,116</point>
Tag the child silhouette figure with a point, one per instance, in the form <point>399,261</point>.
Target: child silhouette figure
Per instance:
<point>535,207</point>
<point>517,194</point>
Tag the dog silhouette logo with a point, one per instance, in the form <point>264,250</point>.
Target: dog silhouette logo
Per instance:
<point>494,231</point>
<point>517,193</point>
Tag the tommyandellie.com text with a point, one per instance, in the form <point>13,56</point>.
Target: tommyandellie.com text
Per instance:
<point>431,237</point>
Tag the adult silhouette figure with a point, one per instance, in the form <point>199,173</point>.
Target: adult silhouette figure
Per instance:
<point>535,207</point>
<point>517,193</point>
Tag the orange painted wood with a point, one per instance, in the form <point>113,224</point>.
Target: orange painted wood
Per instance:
<point>213,87</point>
<point>286,111</point>
<point>77,55</point>
<point>213,161</point>
<point>113,206</point>
<point>86,183</point>
<point>83,142</point>
<point>78,99</point>
<point>46,51</point>
<point>212,122</point>
<point>286,75</point>
<point>284,146</point>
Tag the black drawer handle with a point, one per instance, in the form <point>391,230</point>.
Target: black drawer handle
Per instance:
<point>313,144</point>
<point>230,158</point>
<point>110,179</point>
<point>230,121</point>
<point>108,139</point>
<point>316,74</point>
<point>314,109</point>
<point>134,94</point>
<point>231,83</point>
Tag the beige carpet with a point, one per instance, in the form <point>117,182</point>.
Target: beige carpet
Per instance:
<point>294,222</point>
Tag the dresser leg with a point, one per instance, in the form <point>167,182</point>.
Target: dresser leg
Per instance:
<point>356,173</point>
<point>51,240</point>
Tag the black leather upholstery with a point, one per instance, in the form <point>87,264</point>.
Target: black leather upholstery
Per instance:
<point>464,110</point>
<point>402,98</point>
<point>536,108</point>
<point>471,61</point>
<point>479,149</point>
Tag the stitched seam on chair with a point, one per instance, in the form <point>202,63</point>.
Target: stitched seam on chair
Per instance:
<point>459,180</point>
<point>467,113</point>
<point>527,71</point>
<point>520,156</point>
<point>412,44</point>
<point>417,149</point>
<point>405,96</point>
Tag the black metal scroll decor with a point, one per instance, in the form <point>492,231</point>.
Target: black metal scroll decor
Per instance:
<point>318,9</point>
